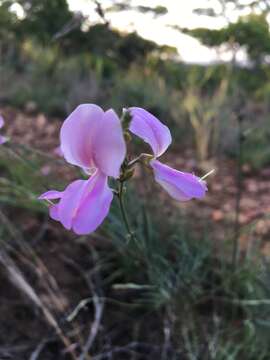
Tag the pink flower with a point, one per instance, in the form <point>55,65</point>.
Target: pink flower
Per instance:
<point>3,139</point>
<point>180,185</point>
<point>93,140</point>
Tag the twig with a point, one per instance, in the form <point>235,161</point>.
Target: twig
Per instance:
<point>100,11</point>
<point>99,307</point>
<point>10,351</point>
<point>74,23</point>
<point>131,347</point>
<point>167,339</point>
<point>17,278</point>
<point>35,354</point>
<point>98,302</point>
<point>82,304</point>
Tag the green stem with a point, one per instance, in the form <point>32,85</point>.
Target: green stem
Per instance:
<point>239,184</point>
<point>123,210</point>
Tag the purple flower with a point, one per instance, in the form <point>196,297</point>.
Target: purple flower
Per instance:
<point>180,185</point>
<point>93,140</point>
<point>3,139</point>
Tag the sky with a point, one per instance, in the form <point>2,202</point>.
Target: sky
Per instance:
<point>180,12</point>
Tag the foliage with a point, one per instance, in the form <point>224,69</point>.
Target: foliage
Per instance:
<point>250,32</point>
<point>43,20</point>
<point>256,147</point>
<point>204,113</point>
<point>128,90</point>
<point>224,8</point>
<point>126,5</point>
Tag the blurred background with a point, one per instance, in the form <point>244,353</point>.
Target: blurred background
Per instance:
<point>196,284</point>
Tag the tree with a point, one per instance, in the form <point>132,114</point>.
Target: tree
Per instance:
<point>250,32</point>
<point>51,24</point>
<point>8,31</point>
<point>126,5</point>
<point>226,7</point>
<point>44,19</point>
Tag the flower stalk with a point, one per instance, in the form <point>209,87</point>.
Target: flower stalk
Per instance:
<point>123,209</point>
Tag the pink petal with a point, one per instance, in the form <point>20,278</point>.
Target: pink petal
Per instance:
<point>83,205</point>
<point>91,138</point>
<point>95,205</point>
<point>109,146</point>
<point>150,129</point>
<point>51,195</point>
<point>54,212</point>
<point>77,134</point>
<point>3,139</point>
<point>180,185</point>
<point>2,122</point>
<point>70,202</point>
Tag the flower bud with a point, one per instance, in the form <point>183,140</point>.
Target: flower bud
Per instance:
<point>126,119</point>
<point>127,174</point>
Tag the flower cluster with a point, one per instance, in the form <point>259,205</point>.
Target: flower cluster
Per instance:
<point>94,140</point>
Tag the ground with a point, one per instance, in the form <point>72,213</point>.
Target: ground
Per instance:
<point>48,256</point>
